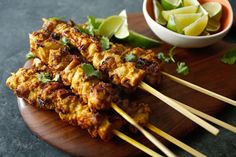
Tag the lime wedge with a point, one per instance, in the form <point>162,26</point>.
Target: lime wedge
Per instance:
<point>205,33</point>
<point>170,4</point>
<point>214,10</point>
<point>157,8</point>
<point>183,20</point>
<point>202,10</point>
<point>171,24</point>
<point>110,26</point>
<point>197,27</point>
<point>190,3</point>
<point>123,31</point>
<point>140,40</point>
<point>213,26</point>
<point>183,10</point>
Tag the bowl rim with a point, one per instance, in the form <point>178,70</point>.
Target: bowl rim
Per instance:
<point>145,12</point>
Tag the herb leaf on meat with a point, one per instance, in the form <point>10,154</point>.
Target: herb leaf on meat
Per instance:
<point>105,43</point>
<point>44,77</point>
<point>90,71</point>
<point>29,56</point>
<point>131,58</point>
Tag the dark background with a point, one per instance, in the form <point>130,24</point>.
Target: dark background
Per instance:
<point>20,17</point>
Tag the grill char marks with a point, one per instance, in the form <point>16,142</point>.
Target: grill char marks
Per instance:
<point>55,96</point>
<point>62,59</point>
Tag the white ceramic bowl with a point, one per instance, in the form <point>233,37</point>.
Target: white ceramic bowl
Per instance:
<point>185,41</point>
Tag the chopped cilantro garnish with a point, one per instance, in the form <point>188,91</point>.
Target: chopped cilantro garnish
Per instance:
<point>167,58</point>
<point>43,77</point>
<point>131,57</point>
<point>182,68</point>
<point>163,57</point>
<point>229,57</point>
<point>82,29</point>
<point>171,54</point>
<point>29,56</point>
<point>90,71</point>
<point>105,43</point>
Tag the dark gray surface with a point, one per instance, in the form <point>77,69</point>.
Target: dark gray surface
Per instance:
<point>17,19</point>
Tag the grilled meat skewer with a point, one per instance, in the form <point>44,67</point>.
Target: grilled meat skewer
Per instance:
<point>58,57</point>
<point>121,72</point>
<point>71,108</point>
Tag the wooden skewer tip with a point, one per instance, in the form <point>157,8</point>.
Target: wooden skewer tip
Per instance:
<point>208,117</point>
<point>149,136</point>
<point>136,144</point>
<point>175,141</point>
<point>179,108</point>
<point>200,89</point>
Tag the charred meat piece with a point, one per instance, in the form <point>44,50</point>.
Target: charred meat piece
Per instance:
<point>55,96</point>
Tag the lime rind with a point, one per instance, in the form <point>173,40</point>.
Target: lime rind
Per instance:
<point>171,4</point>
<point>213,26</point>
<point>158,13</point>
<point>190,3</point>
<point>171,24</point>
<point>214,9</point>
<point>205,33</point>
<point>110,25</point>
<point>123,31</point>
<point>183,10</point>
<point>140,40</point>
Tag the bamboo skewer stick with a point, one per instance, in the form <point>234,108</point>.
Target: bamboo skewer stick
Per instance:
<point>136,144</point>
<point>200,89</point>
<point>208,117</point>
<point>179,108</point>
<point>149,136</point>
<point>175,141</point>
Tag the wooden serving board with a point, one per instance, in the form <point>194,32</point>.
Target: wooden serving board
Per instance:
<point>206,70</point>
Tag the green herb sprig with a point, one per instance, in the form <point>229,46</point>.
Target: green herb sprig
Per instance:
<point>182,68</point>
<point>229,57</point>
<point>91,26</point>
<point>105,43</point>
<point>167,58</point>
<point>90,71</point>
<point>45,77</point>
<point>29,56</point>
<point>131,58</point>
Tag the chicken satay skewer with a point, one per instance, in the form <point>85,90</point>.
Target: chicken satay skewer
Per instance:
<point>200,89</point>
<point>148,56</point>
<point>25,79</point>
<point>184,148</point>
<point>79,73</point>
<point>90,49</point>
<point>41,51</point>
